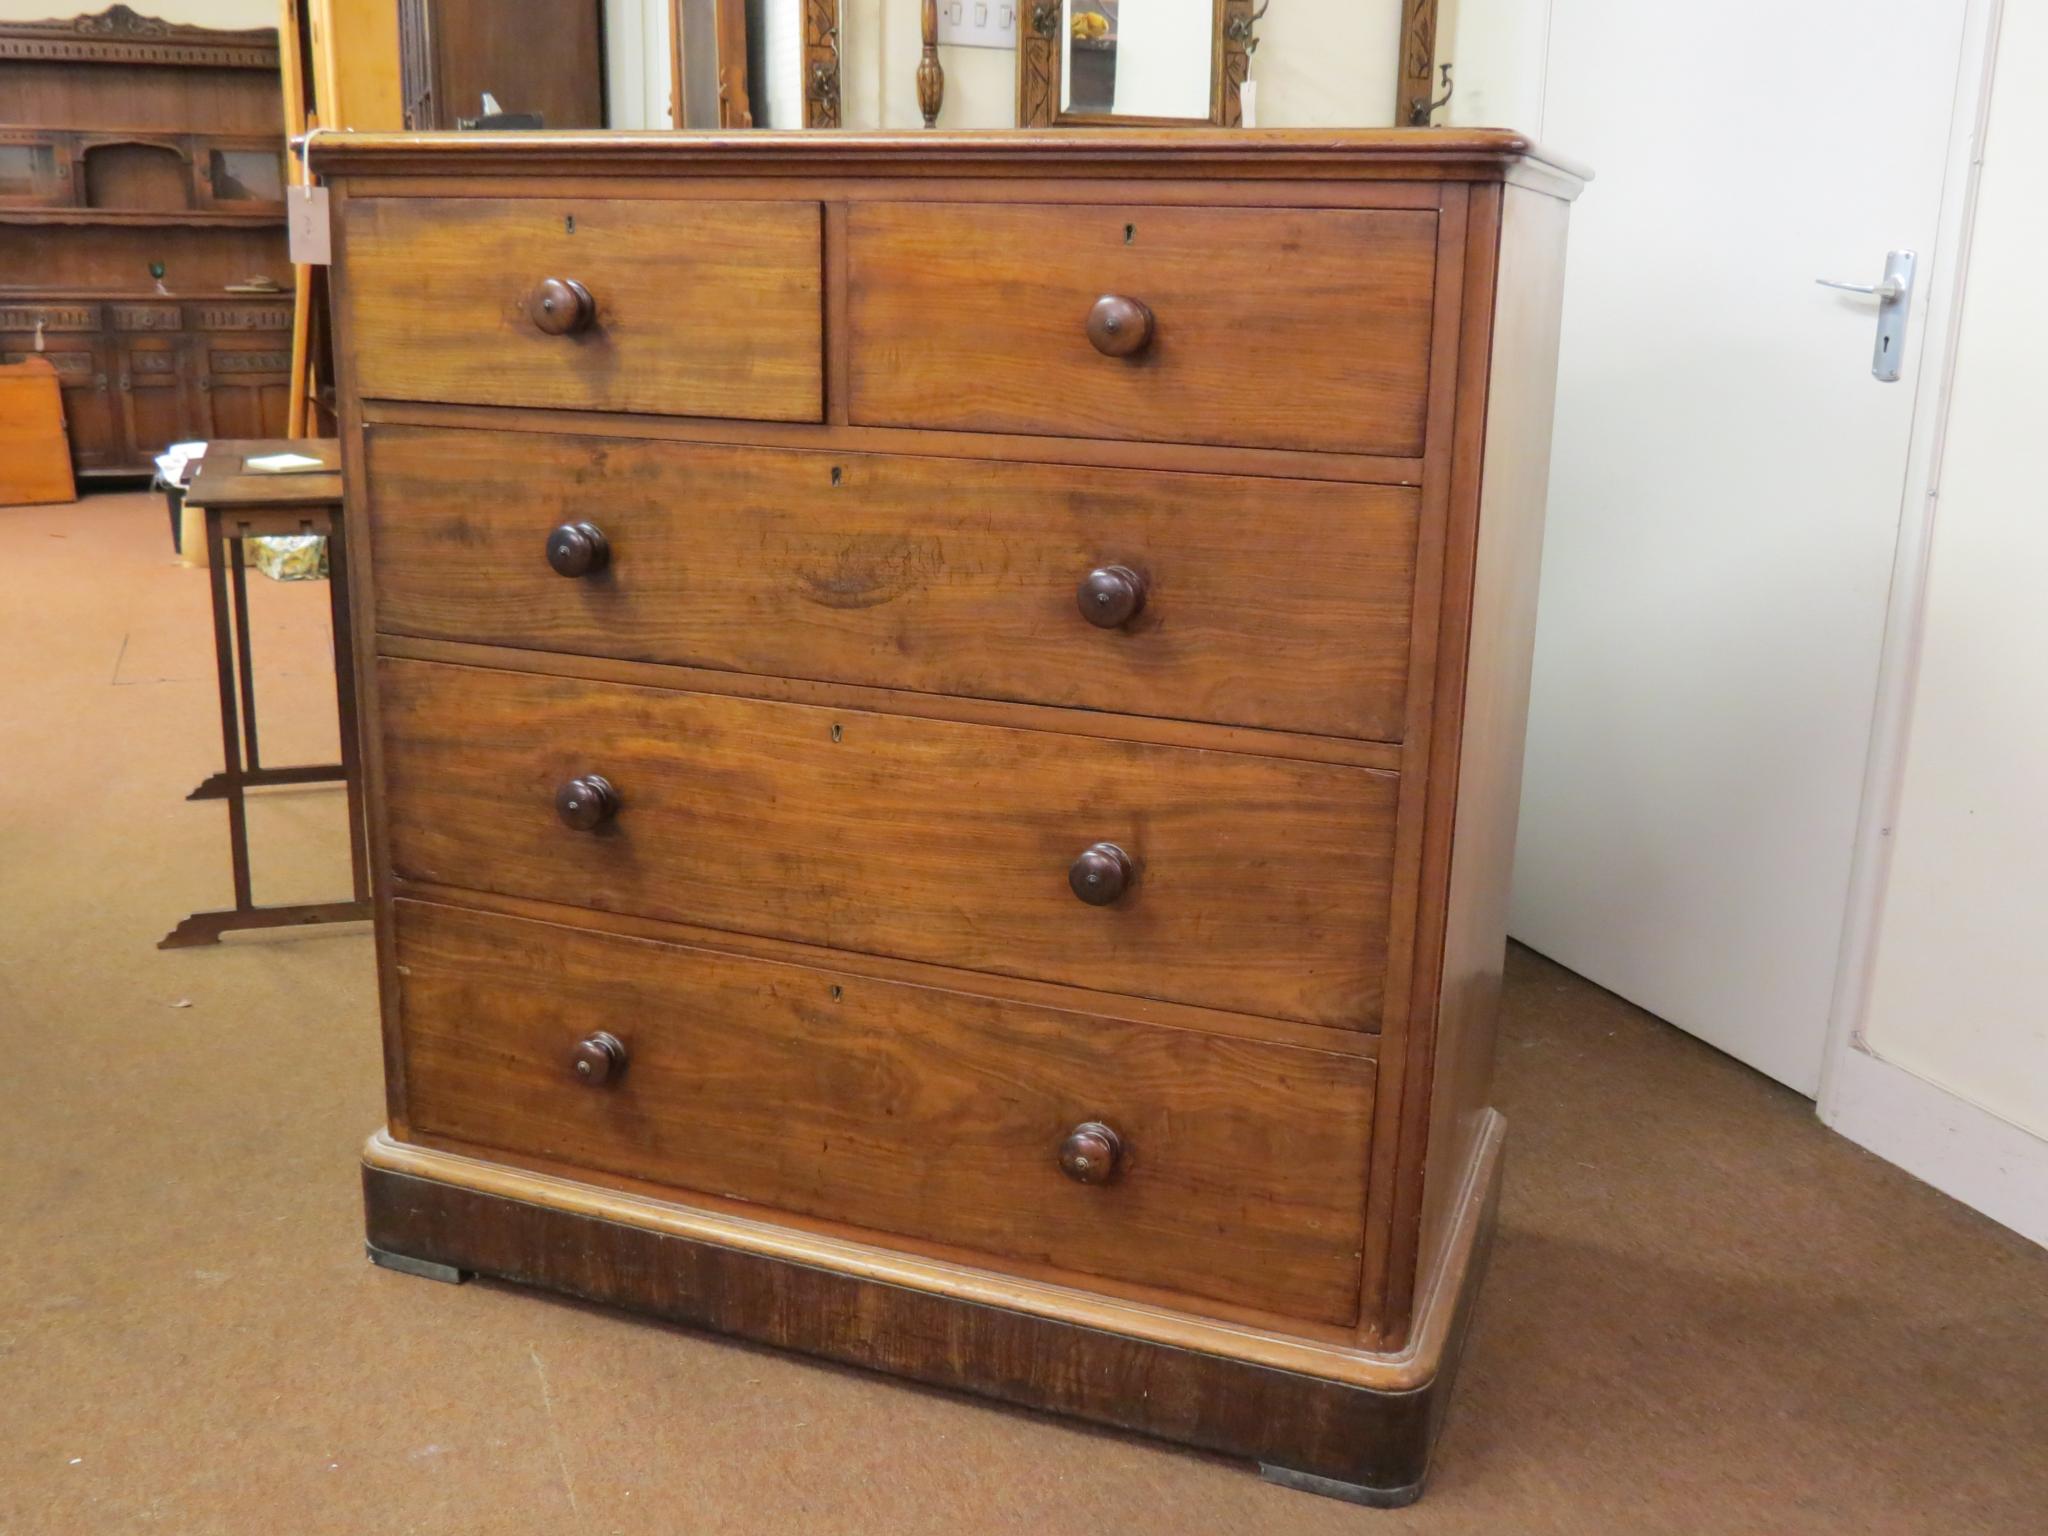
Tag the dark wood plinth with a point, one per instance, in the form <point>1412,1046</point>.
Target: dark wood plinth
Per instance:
<point>1366,1436</point>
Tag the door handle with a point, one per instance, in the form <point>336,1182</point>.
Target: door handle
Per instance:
<point>1889,288</point>
<point>1894,295</point>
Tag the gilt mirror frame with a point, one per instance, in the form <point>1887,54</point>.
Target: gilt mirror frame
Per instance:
<point>1039,68</point>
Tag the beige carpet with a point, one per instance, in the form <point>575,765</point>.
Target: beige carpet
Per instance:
<point>1705,1313</point>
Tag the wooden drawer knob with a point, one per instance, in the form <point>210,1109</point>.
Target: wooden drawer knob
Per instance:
<point>578,549</point>
<point>1102,874</point>
<point>598,1058</point>
<point>560,306</point>
<point>1111,596</point>
<point>1090,1153</point>
<point>586,802</point>
<point>1119,327</point>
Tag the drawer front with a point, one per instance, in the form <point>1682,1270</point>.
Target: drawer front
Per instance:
<point>904,1109</point>
<point>1269,327</point>
<point>1259,885</point>
<point>1264,602</point>
<point>694,308</point>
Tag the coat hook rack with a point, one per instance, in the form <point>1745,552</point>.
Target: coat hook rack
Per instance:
<point>1421,109</point>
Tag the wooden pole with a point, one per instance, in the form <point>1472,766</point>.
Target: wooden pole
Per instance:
<point>289,53</point>
<point>931,78</point>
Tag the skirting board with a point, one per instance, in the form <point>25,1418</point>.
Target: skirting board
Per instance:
<point>1335,1420</point>
<point>1967,1153</point>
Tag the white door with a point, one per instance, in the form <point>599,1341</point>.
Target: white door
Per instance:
<point>1725,494</point>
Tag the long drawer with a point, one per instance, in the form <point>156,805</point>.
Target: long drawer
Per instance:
<point>1259,885</point>
<point>1239,1166</point>
<point>1260,602</point>
<point>1255,327</point>
<point>688,308</point>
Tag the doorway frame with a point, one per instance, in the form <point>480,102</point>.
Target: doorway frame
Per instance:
<point>1963,1150</point>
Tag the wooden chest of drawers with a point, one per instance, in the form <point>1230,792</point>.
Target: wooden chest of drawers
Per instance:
<point>944,722</point>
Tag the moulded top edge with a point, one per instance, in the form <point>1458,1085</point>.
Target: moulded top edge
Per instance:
<point>1459,154</point>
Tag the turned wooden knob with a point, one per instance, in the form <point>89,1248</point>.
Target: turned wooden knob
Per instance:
<point>1102,874</point>
<point>577,549</point>
<point>598,1058</point>
<point>560,306</point>
<point>1090,1152</point>
<point>586,802</point>
<point>1110,596</point>
<point>1119,327</point>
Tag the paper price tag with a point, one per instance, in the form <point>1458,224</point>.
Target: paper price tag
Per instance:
<point>306,210</point>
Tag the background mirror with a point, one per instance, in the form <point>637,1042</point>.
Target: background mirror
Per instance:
<point>775,63</point>
<point>1138,58</point>
<point>890,64</point>
<point>757,63</point>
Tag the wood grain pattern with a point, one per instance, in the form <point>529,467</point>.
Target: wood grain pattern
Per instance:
<point>879,782</point>
<point>838,435</point>
<point>1491,707</point>
<point>35,453</point>
<point>1247,159</point>
<point>363,636</point>
<point>905,1109</point>
<point>1466,234</point>
<point>1367,1420</point>
<point>1274,328</point>
<point>898,701</point>
<point>1262,885</point>
<point>951,577</point>
<point>1316,1350</point>
<point>1142,1010</point>
<point>712,309</point>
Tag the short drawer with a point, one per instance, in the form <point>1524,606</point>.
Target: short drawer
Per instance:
<point>1259,885</point>
<point>685,308</point>
<point>1255,327</point>
<point>1239,1166</point>
<point>1256,602</point>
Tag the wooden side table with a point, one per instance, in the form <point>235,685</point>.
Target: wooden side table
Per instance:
<point>240,504</point>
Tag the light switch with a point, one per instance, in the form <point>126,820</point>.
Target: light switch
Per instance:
<point>978,23</point>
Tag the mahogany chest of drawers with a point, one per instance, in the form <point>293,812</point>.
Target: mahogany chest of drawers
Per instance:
<point>944,718</point>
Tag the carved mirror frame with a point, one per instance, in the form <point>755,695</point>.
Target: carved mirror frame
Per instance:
<point>1421,89</point>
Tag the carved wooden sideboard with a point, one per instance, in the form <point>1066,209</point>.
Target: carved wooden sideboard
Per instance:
<point>943,720</point>
<point>141,174</point>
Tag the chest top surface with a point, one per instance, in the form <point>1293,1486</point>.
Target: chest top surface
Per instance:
<point>1406,154</point>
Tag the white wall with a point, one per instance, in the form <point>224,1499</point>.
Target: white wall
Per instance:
<point>638,77</point>
<point>1959,989</point>
<point>1328,63</point>
<point>1163,58</point>
<point>1498,50</point>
